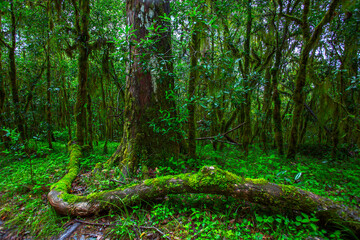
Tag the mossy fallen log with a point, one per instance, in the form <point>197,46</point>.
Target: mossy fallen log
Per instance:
<point>210,180</point>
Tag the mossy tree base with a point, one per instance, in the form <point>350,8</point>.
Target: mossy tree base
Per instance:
<point>210,180</point>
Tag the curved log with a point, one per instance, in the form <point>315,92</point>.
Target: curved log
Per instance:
<point>210,180</point>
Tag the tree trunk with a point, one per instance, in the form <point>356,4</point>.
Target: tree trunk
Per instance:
<point>89,122</point>
<point>67,108</point>
<point>81,96</point>
<point>12,74</point>
<point>2,81</point>
<point>280,45</point>
<point>277,104</point>
<point>146,139</point>
<point>266,109</point>
<point>308,44</point>
<point>48,95</point>
<point>194,55</point>
<point>210,180</point>
<point>350,63</point>
<point>247,105</point>
<point>104,116</point>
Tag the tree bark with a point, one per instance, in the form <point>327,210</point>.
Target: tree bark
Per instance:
<point>82,25</point>
<point>12,74</point>
<point>247,105</point>
<point>2,80</point>
<point>48,95</point>
<point>348,71</point>
<point>309,42</point>
<point>105,77</point>
<point>210,180</point>
<point>281,41</point>
<point>67,108</point>
<point>194,55</point>
<point>148,89</point>
<point>89,122</point>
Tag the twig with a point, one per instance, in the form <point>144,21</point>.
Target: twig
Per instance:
<point>156,229</point>
<point>229,142</point>
<point>316,118</point>
<point>221,135</point>
<point>5,44</point>
<point>234,128</point>
<point>117,181</point>
<point>136,234</point>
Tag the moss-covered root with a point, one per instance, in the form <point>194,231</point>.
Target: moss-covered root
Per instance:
<point>64,184</point>
<point>215,181</point>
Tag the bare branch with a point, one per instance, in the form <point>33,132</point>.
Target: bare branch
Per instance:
<point>292,18</point>
<point>5,44</point>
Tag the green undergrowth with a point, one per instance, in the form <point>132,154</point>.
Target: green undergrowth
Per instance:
<point>336,179</point>
<point>25,181</point>
<point>206,216</point>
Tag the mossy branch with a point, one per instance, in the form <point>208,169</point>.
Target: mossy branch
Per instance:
<point>210,180</point>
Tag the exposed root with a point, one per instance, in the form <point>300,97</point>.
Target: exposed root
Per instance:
<point>210,180</point>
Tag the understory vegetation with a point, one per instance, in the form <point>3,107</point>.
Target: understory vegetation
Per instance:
<point>179,119</point>
<point>25,183</point>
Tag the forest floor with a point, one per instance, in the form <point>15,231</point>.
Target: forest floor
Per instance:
<point>25,180</point>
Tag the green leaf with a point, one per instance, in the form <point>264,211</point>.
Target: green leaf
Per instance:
<point>314,227</point>
<point>298,176</point>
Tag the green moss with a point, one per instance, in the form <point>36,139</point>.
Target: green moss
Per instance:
<point>98,167</point>
<point>260,181</point>
<point>135,198</point>
<point>98,195</point>
<point>299,201</point>
<point>70,198</point>
<point>288,189</point>
<point>159,181</point>
<point>209,176</point>
<point>64,184</point>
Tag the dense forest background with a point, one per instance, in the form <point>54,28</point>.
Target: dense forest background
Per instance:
<point>169,86</point>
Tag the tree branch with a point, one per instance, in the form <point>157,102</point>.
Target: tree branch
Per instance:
<point>292,18</point>
<point>5,44</point>
<point>326,19</point>
<point>220,135</point>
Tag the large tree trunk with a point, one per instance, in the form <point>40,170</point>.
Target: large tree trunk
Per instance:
<point>89,122</point>
<point>210,180</point>
<point>277,103</point>
<point>266,109</point>
<point>105,77</point>
<point>84,49</point>
<point>148,95</point>
<point>67,107</point>
<point>194,72</point>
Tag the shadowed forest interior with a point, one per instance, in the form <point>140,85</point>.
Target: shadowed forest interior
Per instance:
<point>179,119</point>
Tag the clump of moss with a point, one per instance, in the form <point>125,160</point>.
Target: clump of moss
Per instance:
<point>260,181</point>
<point>64,184</point>
<point>212,176</point>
